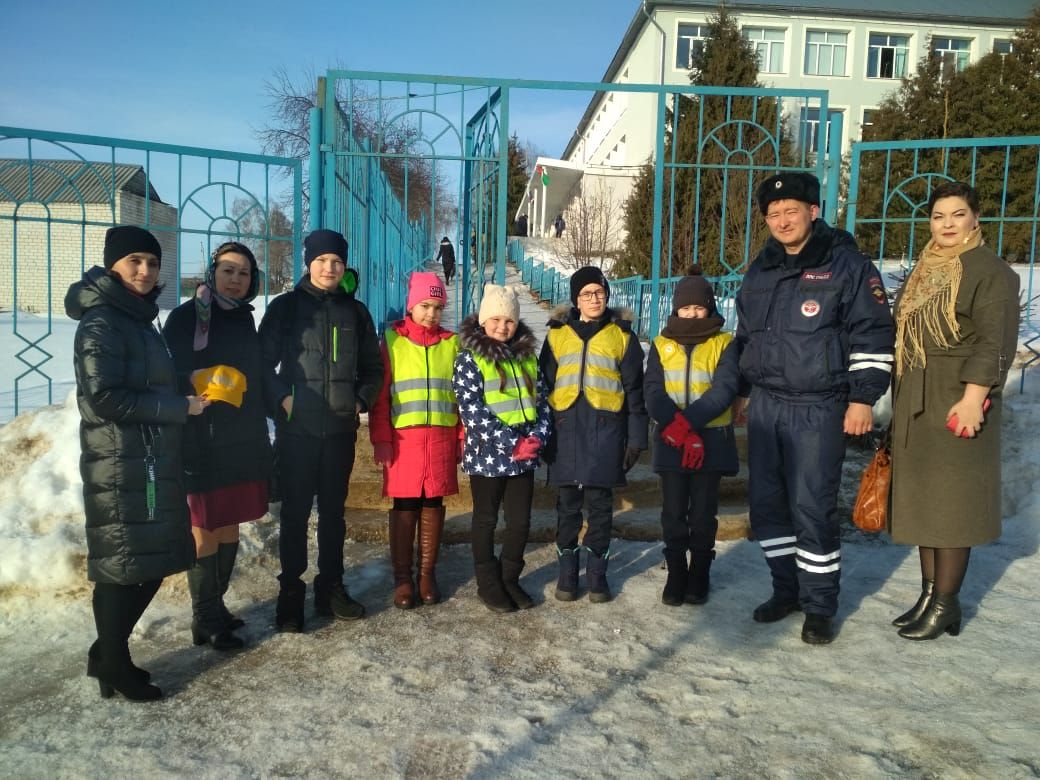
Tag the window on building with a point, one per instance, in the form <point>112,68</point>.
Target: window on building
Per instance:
<point>769,45</point>
<point>868,120</point>
<point>825,53</point>
<point>1003,46</point>
<point>811,135</point>
<point>887,56</point>
<point>953,53</point>
<point>689,43</point>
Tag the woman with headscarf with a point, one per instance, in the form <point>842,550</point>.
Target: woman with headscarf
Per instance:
<point>227,450</point>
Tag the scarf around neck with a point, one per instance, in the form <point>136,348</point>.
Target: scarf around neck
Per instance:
<point>686,331</point>
<point>205,295</point>
<point>928,303</point>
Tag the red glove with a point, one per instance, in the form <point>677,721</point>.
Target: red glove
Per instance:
<point>527,448</point>
<point>693,451</point>
<point>383,453</point>
<point>674,433</point>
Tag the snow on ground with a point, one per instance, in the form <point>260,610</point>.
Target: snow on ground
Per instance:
<point>630,688</point>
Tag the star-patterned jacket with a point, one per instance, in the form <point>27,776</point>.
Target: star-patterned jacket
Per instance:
<point>490,442</point>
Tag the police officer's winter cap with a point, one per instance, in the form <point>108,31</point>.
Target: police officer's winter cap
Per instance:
<point>324,242</point>
<point>794,185</point>
<point>693,290</point>
<point>587,275</point>
<point>125,240</point>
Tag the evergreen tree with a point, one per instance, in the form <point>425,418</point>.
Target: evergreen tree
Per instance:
<point>516,185</point>
<point>995,96</point>
<point>712,206</point>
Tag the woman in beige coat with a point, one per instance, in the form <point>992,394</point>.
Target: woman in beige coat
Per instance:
<point>956,335</point>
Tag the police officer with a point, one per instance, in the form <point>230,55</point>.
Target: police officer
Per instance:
<point>593,366</point>
<point>816,339</point>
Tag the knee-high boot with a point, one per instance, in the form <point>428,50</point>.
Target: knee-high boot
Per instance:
<point>431,529</point>
<point>227,552</point>
<point>207,623</point>
<point>402,553</point>
<point>115,613</point>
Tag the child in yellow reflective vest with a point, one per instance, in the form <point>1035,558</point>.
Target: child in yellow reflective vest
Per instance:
<point>417,435</point>
<point>691,381</point>
<point>504,406</point>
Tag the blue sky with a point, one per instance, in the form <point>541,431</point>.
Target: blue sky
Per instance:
<point>193,72</point>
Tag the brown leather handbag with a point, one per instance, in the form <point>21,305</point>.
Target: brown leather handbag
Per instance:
<point>871,510</point>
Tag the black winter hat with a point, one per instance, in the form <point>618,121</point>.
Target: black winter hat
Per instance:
<point>693,290</point>
<point>324,242</point>
<point>794,185</point>
<point>124,240</point>
<point>586,275</point>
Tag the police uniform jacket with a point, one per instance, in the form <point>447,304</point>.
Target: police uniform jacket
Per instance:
<point>816,324</point>
<point>588,444</point>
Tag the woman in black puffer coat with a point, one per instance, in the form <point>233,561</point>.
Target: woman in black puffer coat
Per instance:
<point>227,450</point>
<point>130,440</point>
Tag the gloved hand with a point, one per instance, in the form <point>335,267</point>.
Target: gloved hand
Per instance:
<point>383,453</point>
<point>674,433</point>
<point>693,451</point>
<point>631,456</point>
<point>527,448</point>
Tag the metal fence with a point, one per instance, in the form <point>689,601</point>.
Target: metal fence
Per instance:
<point>890,183</point>
<point>60,192</point>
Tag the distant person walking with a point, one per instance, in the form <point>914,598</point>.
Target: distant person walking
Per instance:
<point>446,254</point>
<point>559,225</point>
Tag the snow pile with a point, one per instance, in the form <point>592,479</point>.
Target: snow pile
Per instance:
<point>42,541</point>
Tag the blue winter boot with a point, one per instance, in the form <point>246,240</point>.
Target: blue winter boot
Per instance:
<point>567,584</point>
<point>596,577</point>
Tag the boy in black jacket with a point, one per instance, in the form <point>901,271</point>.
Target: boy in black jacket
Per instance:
<point>322,370</point>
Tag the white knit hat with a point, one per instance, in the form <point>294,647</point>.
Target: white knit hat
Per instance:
<point>499,302</point>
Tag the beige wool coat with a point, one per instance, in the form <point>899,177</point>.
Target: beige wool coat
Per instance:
<point>946,490</point>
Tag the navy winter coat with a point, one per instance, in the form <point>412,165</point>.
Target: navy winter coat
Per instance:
<point>816,324</point>
<point>720,447</point>
<point>131,418</point>
<point>588,445</point>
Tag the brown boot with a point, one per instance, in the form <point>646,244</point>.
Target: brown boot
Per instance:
<point>402,550</point>
<point>431,528</point>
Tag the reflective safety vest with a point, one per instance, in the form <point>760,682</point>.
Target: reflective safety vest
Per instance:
<point>591,367</point>
<point>513,404</point>
<point>420,389</point>
<point>688,377</point>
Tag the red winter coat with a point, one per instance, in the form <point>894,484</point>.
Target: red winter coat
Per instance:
<point>425,456</point>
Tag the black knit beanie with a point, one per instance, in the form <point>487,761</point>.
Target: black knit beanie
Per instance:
<point>125,240</point>
<point>324,242</point>
<point>588,274</point>
<point>693,290</point>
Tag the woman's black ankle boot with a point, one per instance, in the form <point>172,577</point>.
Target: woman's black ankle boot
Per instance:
<point>942,615</point>
<point>913,614</point>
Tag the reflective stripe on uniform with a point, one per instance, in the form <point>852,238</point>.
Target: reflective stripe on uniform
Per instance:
<point>420,391</point>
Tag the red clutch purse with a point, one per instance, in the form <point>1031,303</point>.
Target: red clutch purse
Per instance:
<point>953,424</point>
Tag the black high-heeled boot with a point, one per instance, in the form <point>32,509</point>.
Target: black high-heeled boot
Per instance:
<point>94,662</point>
<point>942,615</point>
<point>122,678</point>
<point>913,614</point>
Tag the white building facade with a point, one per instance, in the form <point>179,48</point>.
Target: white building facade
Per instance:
<point>858,52</point>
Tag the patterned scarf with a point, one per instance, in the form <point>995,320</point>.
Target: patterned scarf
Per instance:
<point>204,297</point>
<point>927,305</point>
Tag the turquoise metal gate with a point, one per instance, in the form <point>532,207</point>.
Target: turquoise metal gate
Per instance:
<point>377,134</point>
<point>890,183</point>
<point>59,192</point>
